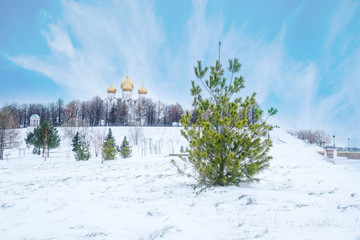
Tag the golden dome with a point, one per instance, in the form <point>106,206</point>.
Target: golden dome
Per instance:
<point>142,90</point>
<point>127,87</point>
<point>127,81</point>
<point>111,89</point>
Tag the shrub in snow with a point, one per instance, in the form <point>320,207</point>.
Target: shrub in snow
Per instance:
<point>109,148</point>
<point>125,149</point>
<point>228,142</point>
<point>80,147</point>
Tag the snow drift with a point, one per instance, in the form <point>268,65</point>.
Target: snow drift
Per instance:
<point>301,196</point>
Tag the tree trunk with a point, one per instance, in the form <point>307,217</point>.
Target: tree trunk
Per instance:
<point>45,143</point>
<point>1,145</point>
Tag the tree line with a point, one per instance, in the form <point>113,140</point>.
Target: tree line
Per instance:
<point>94,112</point>
<point>97,112</point>
<point>318,137</point>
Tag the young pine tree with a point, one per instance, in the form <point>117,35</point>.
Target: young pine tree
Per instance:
<point>75,141</point>
<point>31,140</point>
<point>125,149</point>
<point>109,149</point>
<point>80,147</point>
<point>225,147</point>
<point>45,136</point>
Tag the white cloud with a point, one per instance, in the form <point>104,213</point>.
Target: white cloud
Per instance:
<point>341,17</point>
<point>96,44</point>
<point>59,40</point>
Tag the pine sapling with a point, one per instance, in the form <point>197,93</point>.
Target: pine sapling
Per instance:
<point>109,149</point>
<point>125,149</point>
<point>225,146</point>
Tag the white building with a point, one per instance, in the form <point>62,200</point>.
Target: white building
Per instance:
<point>127,87</point>
<point>142,92</point>
<point>34,120</point>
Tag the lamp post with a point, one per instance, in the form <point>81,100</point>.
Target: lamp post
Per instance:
<point>349,144</point>
<point>334,141</point>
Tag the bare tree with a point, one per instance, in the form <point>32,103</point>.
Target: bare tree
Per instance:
<point>96,111</point>
<point>123,113</point>
<point>159,109</point>
<point>166,115</point>
<point>13,109</point>
<point>53,112</point>
<point>175,112</point>
<point>318,137</point>
<point>322,138</point>
<point>150,112</point>
<point>72,126</point>
<point>24,116</point>
<point>72,110</point>
<point>135,134</point>
<point>96,138</point>
<point>139,112</point>
<point>9,137</point>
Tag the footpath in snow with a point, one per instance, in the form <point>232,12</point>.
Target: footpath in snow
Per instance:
<point>300,196</point>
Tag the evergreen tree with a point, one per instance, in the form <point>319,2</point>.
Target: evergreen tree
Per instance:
<point>109,147</point>
<point>225,147</point>
<point>109,135</point>
<point>75,141</point>
<point>31,140</point>
<point>125,149</point>
<point>45,136</point>
<point>81,150</point>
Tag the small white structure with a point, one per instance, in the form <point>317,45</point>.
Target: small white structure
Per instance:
<point>34,120</point>
<point>330,153</point>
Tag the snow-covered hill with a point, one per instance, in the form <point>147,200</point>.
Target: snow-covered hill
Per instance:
<point>301,196</point>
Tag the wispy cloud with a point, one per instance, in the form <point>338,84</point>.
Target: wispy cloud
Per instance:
<point>94,44</point>
<point>267,68</point>
<point>341,17</point>
<point>342,58</point>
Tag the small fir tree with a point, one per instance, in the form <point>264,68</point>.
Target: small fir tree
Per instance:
<point>109,149</point>
<point>225,147</point>
<point>80,147</point>
<point>125,149</point>
<point>75,141</point>
<point>109,135</point>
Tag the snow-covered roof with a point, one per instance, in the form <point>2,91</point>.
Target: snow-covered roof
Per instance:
<point>34,116</point>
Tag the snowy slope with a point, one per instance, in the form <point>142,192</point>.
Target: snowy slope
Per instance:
<point>301,196</point>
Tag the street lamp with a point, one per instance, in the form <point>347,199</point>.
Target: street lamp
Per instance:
<point>334,141</point>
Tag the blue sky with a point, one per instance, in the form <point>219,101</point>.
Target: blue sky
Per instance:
<point>302,57</point>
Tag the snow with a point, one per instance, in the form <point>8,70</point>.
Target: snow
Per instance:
<point>300,196</point>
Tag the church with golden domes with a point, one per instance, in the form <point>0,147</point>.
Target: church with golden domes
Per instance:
<point>127,87</point>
